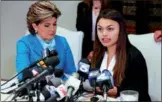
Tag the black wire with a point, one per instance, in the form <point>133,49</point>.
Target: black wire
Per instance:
<point>12,78</point>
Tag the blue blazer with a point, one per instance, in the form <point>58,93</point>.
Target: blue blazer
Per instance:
<point>29,50</point>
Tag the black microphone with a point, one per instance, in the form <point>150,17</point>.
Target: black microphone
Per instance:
<point>93,74</point>
<point>36,78</point>
<point>53,53</point>
<point>48,70</point>
<point>92,79</point>
<point>45,60</point>
<point>105,81</point>
<point>58,73</point>
<point>83,69</point>
<point>30,73</point>
<point>48,91</point>
<point>46,53</point>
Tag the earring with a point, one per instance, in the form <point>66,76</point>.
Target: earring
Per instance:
<point>36,31</point>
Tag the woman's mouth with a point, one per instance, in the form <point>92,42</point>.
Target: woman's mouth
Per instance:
<point>106,40</point>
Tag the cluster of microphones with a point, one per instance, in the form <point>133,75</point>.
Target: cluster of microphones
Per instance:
<point>43,79</point>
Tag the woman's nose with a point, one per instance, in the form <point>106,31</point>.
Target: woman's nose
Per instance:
<point>104,33</point>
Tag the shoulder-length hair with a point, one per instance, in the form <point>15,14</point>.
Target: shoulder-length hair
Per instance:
<point>121,49</point>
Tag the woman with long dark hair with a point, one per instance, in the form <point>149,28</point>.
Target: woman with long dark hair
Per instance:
<point>113,51</point>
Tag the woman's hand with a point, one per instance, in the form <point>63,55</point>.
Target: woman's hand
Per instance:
<point>90,56</point>
<point>158,35</point>
<point>112,92</point>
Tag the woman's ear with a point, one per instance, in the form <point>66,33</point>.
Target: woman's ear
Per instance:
<point>35,27</point>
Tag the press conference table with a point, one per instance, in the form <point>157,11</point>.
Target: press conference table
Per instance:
<point>86,97</point>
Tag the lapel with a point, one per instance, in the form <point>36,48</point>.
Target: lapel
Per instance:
<point>36,45</point>
<point>99,62</point>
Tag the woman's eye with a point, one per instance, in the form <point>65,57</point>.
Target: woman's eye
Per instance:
<point>110,29</point>
<point>46,25</point>
<point>99,29</point>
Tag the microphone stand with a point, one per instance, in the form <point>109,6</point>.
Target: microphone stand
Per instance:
<point>38,90</point>
<point>94,98</point>
<point>105,89</point>
<point>30,94</point>
<point>80,91</point>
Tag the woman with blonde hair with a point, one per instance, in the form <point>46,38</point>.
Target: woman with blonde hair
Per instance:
<point>41,22</point>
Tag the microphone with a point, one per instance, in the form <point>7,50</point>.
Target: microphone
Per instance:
<point>46,53</point>
<point>87,86</point>
<point>92,78</point>
<point>60,93</point>
<point>72,85</point>
<point>45,72</point>
<point>48,60</point>
<point>83,70</point>
<point>48,91</point>
<point>29,73</point>
<point>53,79</point>
<point>93,74</point>
<point>53,53</point>
<point>105,81</point>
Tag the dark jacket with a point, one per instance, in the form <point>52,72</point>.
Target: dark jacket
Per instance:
<point>136,76</point>
<point>84,24</point>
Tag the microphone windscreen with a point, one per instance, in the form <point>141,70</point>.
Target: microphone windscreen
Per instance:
<point>53,61</point>
<point>54,81</point>
<point>87,86</point>
<point>85,60</point>
<point>53,53</point>
<point>26,74</point>
<point>48,91</point>
<point>46,53</point>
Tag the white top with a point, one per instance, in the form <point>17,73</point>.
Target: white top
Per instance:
<point>94,18</point>
<point>104,64</point>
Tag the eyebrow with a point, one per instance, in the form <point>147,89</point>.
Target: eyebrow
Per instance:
<point>107,26</point>
<point>50,23</point>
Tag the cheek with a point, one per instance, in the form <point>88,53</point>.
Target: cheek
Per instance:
<point>115,36</point>
<point>99,36</point>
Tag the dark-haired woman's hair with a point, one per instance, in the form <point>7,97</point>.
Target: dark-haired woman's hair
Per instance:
<point>99,50</point>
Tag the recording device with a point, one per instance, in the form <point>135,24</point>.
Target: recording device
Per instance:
<point>72,85</point>
<point>105,82</point>
<point>58,94</point>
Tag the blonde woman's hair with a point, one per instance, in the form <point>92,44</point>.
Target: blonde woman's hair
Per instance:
<point>39,11</point>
